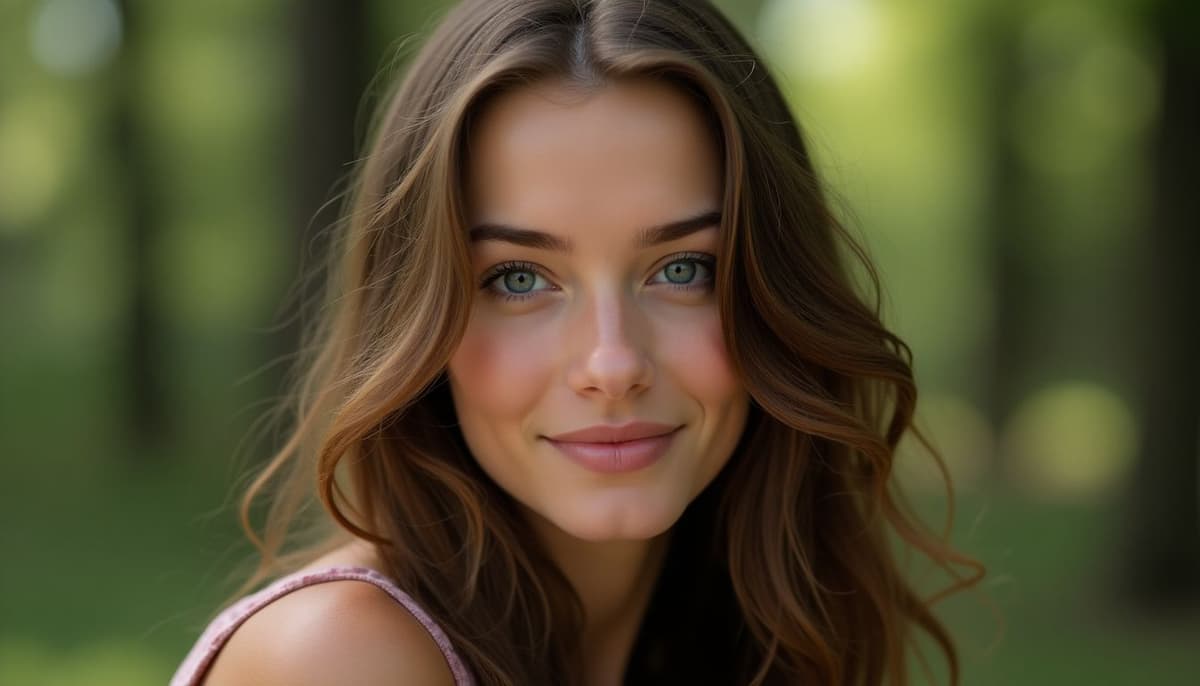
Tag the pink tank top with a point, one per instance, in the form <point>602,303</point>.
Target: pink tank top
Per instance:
<point>197,662</point>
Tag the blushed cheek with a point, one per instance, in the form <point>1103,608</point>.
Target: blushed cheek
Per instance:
<point>499,369</point>
<point>700,361</point>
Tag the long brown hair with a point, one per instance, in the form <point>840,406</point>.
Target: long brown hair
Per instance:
<point>782,570</point>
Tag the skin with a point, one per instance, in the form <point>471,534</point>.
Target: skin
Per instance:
<point>288,642</point>
<point>608,332</point>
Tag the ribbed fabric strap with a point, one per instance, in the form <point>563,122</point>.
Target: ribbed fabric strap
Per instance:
<point>222,627</point>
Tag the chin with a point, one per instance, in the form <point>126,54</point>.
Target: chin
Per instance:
<point>619,521</point>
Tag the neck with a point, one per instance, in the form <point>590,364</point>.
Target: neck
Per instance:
<point>614,580</point>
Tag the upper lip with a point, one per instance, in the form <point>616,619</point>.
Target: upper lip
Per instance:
<point>609,433</point>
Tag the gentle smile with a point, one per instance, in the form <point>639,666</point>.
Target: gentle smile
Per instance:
<point>616,449</point>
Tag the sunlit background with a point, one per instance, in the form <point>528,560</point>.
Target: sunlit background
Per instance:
<point>1023,172</point>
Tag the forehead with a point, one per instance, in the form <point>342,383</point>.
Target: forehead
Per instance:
<point>629,153</point>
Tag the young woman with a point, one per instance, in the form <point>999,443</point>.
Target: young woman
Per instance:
<point>595,400</point>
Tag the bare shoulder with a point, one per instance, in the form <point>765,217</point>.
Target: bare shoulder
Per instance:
<point>338,632</point>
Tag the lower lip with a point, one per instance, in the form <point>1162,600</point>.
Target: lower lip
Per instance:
<point>617,458</point>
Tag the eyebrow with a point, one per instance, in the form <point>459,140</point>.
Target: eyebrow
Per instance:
<point>647,237</point>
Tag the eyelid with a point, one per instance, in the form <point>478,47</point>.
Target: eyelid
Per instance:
<point>703,257</point>
<point>499,270</point>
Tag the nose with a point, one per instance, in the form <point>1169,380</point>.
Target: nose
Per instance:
<point>610,359</point>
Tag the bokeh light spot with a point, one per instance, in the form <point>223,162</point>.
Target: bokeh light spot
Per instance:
<point>75,37</point>
<point>1072,441</point>
<point>823,38</point>
<point>33,162</point>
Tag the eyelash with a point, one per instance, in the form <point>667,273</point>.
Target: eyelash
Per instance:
<point>503,269</point>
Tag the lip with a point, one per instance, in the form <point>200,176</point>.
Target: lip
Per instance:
<point>608,433</point>
<point>616,449</point>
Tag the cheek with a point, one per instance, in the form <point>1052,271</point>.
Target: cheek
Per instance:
<point>497,371</point>
<point>695,352</point>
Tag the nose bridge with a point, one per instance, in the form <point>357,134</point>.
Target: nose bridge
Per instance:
<point>610,343</point>
<point>610,312</point>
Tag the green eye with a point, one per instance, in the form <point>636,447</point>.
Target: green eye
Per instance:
<point>513,281</point>
<point>681,271</point>
<point>688,271</point>
<point>519,281</point>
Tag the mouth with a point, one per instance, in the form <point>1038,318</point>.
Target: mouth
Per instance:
<point>616,456</point>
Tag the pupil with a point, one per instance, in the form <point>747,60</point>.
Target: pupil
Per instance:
<point>519,282</point>
<point>681,272</point>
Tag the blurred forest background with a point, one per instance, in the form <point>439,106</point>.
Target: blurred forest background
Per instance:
<point>1024,172</point>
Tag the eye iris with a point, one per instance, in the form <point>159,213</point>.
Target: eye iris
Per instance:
<point>681,272</point>
<point>519,282</point>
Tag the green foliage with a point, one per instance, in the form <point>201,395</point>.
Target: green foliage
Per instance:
<point>116,572</point>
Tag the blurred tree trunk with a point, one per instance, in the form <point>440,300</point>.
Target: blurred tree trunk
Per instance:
<point>143,332</point>
<point>1008,232</point>
<point>333,64</point>
<point>1162,556</point>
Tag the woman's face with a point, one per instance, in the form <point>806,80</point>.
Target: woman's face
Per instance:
<point>594,238</point>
